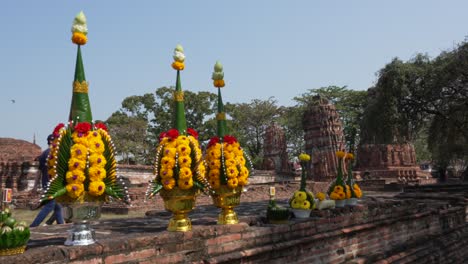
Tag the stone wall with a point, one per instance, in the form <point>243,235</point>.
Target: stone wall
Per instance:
<point>378,230</point>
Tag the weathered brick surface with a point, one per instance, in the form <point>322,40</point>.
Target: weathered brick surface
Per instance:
<point>379,230</point>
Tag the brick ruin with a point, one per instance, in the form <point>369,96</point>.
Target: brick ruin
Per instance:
<point>18,168</point>
<point>323,134</point>
<point>393,163</point>
<point>274,153</point>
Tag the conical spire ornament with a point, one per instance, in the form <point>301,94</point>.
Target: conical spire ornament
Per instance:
<point>82,160</point>
<point>228,166</point>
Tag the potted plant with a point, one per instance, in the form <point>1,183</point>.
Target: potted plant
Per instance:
<point>337,189</point>
<point>302,202</point>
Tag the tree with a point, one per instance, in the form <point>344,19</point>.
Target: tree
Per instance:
<point>249,122</point>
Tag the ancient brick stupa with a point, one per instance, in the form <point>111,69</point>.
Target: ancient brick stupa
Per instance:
<point>275,154</point>
<point>323,137</point>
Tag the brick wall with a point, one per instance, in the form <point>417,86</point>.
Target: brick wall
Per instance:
<point>379,230</point>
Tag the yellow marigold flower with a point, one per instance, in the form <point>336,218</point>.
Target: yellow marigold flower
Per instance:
<point>79,151</point>
<point>176,65</point>
<point>295,204</point>
<point>214,164</point>
<point>94,135</point>
<point>244,172</point>
<point>243,181</point>
<point>96,188</point>
<point>240,160</point>
<point>358,193</point>
<point>183,150</point>
<point>348,192</point>
<point>74,190</point>
<point>305,204</point>
<point>166,173</point>
<point>300,196</point>
<point>171,143</point>
<point>183,140</point>
<point>76,164</point>
<point>79,138</point>
<point>320,196</point>
<point>232,172</point>
<point>51,162</point>
<point>97,173</point>
<point>97,160</point>
<point>214,173</point>
<point>304,157</point>
<point>75,176</point>
<point>355,186</point>
<point>232,183</point>
<point>218,83</point>
<point>185,161</point>
<point>168,183</point>
<point>215,183</point>
<point>334,196</point>
<point>349,156</point>
<point>214,153</point>
<point>238,151</point>
<point>169,152</point>
<point>230,162</point>
<point>185,173</point>
<point>96,146</point>
<point>338,188</point>
<point>229,155</point>
<point>228,147</point>
<point>340,154</point>
<point>341,195</point>
<point>168,162</point>
<point>79,38</point>
<point>185,184</point>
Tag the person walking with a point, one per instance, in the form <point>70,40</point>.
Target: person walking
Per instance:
<point>51,205</point>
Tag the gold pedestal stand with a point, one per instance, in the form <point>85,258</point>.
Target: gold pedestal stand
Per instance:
<point>227,199</point>
<point>180,203</point>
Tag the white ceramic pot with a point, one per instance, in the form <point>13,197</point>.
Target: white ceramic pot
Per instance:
<point>301,213</point>
<point>340,203</point>
<point>351,201</point>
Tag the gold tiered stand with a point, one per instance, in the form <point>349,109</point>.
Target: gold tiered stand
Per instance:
<point>180,203</point>
<point>226,199</point>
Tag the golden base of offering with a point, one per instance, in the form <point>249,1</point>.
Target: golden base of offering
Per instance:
<point>226,199</point>
<point>12,251</point>
<point>180,203</point>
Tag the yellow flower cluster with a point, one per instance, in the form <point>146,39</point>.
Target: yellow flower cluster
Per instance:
<point>321,196</point>
<point>302,200</point>
<point>341,154</point>
<point>176,162</point>
<point>304,157</point>
<point>227,158</point>
<point>338,193</point>
<point>357,191</point>
<point>86,156</point>
<point>79,38</point>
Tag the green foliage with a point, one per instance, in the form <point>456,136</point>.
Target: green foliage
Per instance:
<point>249,122</point>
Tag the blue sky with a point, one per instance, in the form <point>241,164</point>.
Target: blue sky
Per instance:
<point>268,48</point>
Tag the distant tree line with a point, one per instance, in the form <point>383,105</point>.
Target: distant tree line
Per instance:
<point>423,101</point>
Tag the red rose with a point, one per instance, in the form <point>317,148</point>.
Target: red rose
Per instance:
<point>213,141</point>
<point>192,132</point>
<point>57,129</point>
<point>162,135</point>
<point>173,133</point>
<point>83,127</point>
<point>100,126</point>
<point>229,139</point>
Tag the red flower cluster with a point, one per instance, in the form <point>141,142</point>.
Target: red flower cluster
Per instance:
<point>229,139</point>
<point>192,132</point>
<point>213,141</point>
<point>162,135</point>
<point>173,133</point>
<point>83,127</point>
<point>57,129</point>
<point>100,126</point>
